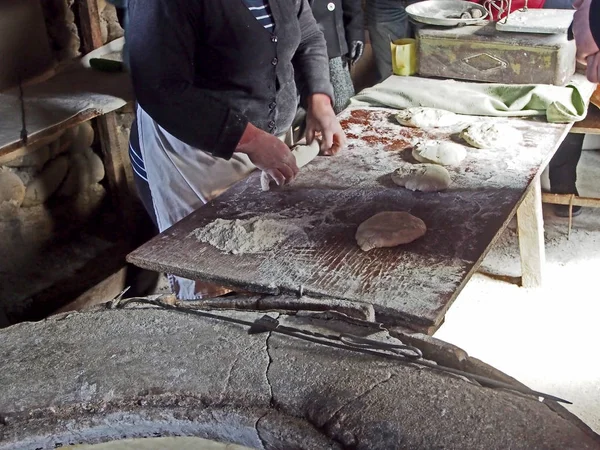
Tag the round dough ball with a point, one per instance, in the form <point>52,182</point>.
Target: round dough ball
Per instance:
<point>439,152</point>
<point>422,177</point>
<point>47,182</point>
<point>12,188</point>
<point>490,135</point>
<point>421,117</point>
<point>389,229</point>
<point>84,137</point>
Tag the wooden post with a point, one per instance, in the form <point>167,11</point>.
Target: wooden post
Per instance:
<point>531,236</point>
<point>89,23</point>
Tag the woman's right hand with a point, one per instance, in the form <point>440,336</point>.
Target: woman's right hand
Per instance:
<point>269,154</point>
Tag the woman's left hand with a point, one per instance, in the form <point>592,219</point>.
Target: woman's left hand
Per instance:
<point>321,119</point>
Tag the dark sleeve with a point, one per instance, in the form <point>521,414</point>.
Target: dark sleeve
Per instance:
<point>595,20</point>
<point>161,41</point>
<point>353,21</point>
<point>311,62</point>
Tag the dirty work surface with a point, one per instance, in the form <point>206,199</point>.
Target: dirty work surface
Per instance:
<point>415,283</point>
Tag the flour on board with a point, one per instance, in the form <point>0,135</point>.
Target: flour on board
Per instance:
<point>250,235</point>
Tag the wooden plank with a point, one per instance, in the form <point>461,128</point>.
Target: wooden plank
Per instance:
<point>415,283</point>
<point>69,98</point>
<point>530,224</point>
<point>567,199</point>
<point>591,123</point>
<point>119,174</point>
<point>89,25</point>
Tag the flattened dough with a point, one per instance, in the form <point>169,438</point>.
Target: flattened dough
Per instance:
<point>490,135</point>
<point>389,229</point>
<point>439,152</point>
<point>420,117</point>
<point>422,177</point>
<point>303,153</point>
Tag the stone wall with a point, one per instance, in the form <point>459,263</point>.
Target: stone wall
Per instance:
<point>50,189</point>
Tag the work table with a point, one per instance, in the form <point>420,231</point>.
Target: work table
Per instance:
<point>411,285</point>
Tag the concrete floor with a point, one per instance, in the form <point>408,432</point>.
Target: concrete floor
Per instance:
<point>546,338</point>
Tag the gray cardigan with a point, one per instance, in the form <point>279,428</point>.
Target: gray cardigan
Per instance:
<point>203,69</point>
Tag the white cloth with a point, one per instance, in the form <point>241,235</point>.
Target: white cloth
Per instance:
<point>182,178</point>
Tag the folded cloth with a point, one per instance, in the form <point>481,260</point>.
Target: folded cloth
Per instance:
<point>560,104</point>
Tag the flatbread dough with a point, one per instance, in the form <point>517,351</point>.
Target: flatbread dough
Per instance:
<point>422,177</point>
<point>439,152</point>
<point>389,229</point>
<point>303,153</point>
<point>490,135</point>
<point>421,117</point>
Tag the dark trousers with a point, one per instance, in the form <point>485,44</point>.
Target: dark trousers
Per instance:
<point>563,166</point>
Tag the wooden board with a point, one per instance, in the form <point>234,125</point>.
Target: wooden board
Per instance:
<point>415,283</point>
<point>69,98</point>
<point>591,123</point>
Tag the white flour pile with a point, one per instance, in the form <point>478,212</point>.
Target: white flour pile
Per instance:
<point>251,235</point>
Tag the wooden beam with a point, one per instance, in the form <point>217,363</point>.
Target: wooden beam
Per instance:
<point>530,224</point>
<point>89,24</point>
<point>119,174</point>
<point>565,199</point>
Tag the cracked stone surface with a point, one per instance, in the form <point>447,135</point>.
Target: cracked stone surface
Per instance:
<point>113,374</point>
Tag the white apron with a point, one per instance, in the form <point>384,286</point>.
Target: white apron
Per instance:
<point>182,178</point>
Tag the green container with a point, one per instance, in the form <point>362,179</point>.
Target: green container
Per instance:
<point>481,53</point>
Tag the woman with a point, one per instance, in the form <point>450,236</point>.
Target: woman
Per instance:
<point>342,23</point>
<point>216,91</point>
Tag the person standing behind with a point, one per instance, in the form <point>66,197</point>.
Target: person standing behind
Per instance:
<point>342,23</point>
<point>386,21</point>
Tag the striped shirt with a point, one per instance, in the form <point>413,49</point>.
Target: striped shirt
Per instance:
<point>262,12</point>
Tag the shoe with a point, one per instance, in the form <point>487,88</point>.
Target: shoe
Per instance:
<point>563,210</point>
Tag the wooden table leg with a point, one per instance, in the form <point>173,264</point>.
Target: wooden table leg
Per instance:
<point>531,237</point>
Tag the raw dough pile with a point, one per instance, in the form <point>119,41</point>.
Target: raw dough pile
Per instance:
<point>421,117</point>
<point>389,229</point>
<point>439,152</point>
<point>303,153</point>
<point>249,236</point>
<point>489,135</point>
<point>422,177</point>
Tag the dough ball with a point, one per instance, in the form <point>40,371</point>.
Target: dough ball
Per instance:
<point>466,15</point>
<point>389,229</point>
<point>47,182</point>
<point>439,152</point>
<point>421,117</point>
<point>422,177</point>
<point>490,135</point>
<point>303,154</point>
<point>12,188</point>
<point>83,137</point>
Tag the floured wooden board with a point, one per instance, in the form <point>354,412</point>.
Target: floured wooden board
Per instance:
<point>413,283</point>
<point>62,101</point>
